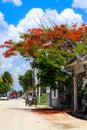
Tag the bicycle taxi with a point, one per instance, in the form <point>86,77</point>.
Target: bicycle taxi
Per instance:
<point>30,98</point>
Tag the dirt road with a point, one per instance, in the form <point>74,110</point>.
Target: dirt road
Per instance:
<point>15,116</point>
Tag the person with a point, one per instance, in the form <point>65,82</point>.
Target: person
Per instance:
<point>26,100</point>
<point>30,98</point>
<point>34,99</point>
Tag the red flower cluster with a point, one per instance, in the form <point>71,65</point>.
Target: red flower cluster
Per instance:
<point>38,38</point>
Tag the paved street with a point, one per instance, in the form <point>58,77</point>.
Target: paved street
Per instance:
<point>15,116</point>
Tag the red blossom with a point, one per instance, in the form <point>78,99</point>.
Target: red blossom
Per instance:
<point>38,38</point>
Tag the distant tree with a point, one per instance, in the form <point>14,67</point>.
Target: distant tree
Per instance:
<point>7,79</point>
<point>27,80</point>
<point>20,93</point>
<point>3,86</point>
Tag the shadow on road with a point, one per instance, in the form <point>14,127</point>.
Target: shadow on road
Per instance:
<point>47,112</point>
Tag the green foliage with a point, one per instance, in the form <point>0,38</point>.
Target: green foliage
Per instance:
<point>27,80</point>
<point>7,78</point>
<point>20,92</point>
<point>42,99</point>
<point>3,87</point>
<point>49,63</point>
<point>6,81</point>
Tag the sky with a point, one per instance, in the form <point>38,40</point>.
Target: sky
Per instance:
<point>20,15</point>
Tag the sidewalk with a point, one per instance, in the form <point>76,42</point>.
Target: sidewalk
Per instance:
<point>44,109</point>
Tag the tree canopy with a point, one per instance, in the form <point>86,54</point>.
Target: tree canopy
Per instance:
<point>50,48</point>
<point>6,81</point>
<point>27,80</point>
<point>7,78</point>
<point>3,87</point>
<point>70,40</point>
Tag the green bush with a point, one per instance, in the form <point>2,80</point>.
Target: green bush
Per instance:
<point>42,99</point>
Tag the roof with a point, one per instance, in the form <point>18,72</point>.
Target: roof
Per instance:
<point>77,64</point>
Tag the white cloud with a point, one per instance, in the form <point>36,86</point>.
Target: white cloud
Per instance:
<point>13,33</point>
<point>15,2</point>
<point>19,70</point>
<point>3,23</point>
<point>64,17</point>
<point>5,64</point>
<point>69,17</point>
<point>80,4</point>
<point>34,18</point>
<point>3,27</point>
<point>31,20</point>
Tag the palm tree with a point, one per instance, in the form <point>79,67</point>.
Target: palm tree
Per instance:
<point>3,86</point>
<point>7,78</point>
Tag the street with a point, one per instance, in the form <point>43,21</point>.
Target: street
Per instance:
<point>14,115</point>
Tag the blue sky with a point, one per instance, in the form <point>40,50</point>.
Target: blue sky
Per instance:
<point>20,15</point>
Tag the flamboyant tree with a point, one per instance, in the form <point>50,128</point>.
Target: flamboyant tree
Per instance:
<point>71,40</point>
<point>50,47</point>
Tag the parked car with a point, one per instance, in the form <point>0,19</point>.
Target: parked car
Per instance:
<point>3,97</point>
